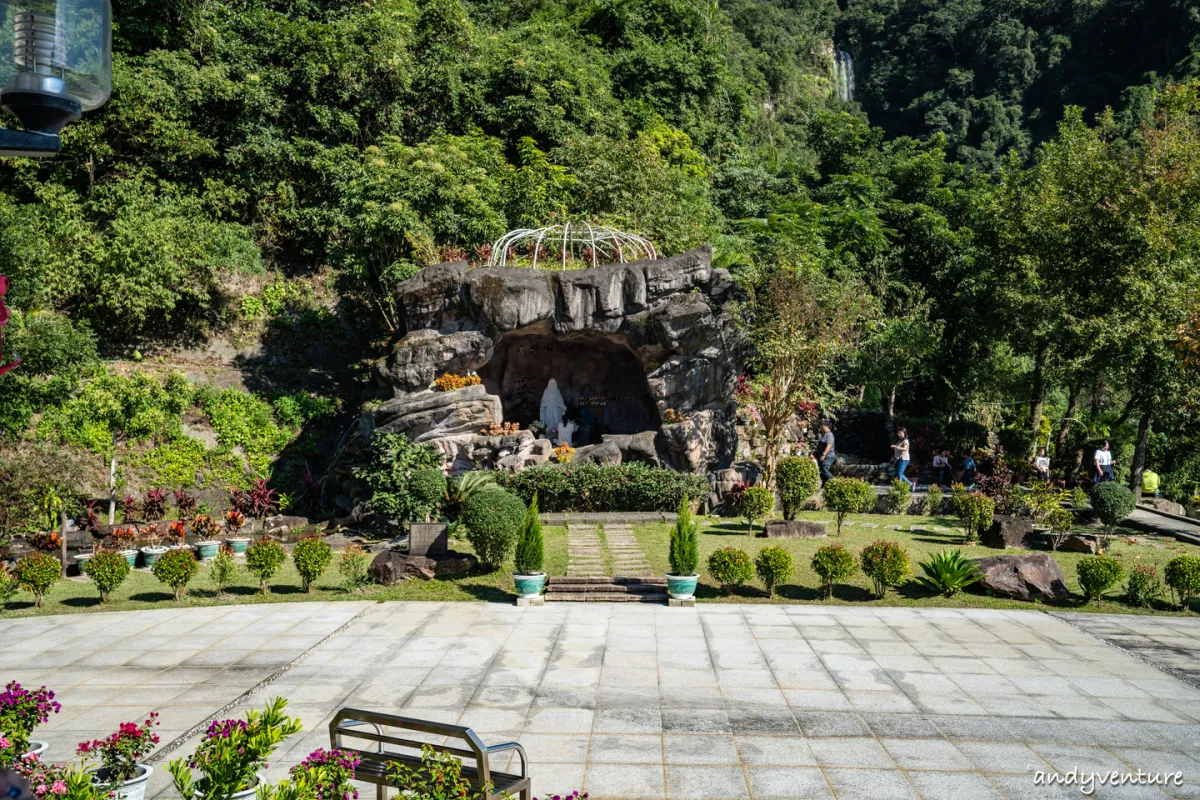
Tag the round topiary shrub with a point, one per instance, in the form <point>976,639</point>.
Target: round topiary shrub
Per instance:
<point>833,563</point>
<point>1143,587</point>
<point>886,564</point>
<point>1098,574</point>
<point>176,568</point>
<point>263,559</point>
<point>796,480</point>
<point>493,521</point>
<point>427,487</point>
<point>899,498</point>
<point>107,570</point>
<point>755,502</point>
<point>774,566</point>
<point>847,496</point>
<point>311,555</point>
<point>730,567</point>
<point>1112,503</point>
<point>1183,578</point>
<point>36,573</point>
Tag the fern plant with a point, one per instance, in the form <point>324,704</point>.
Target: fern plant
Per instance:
<point>685,548</point>
<point>949,572</point>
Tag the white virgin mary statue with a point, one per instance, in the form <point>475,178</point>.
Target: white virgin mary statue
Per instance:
<point>553,407</point>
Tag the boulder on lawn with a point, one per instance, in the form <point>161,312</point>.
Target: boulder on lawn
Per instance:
<point>1164,505</point>
<point>1008,531</point>
<point>1032,576</point>
<point>794,529</point>
<point>1080,543</point>
<point>391,566</point>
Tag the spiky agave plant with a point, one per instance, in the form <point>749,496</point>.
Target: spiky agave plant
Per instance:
<point>949,572</point>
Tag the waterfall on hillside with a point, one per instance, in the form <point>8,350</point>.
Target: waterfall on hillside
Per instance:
<point>843,76</point>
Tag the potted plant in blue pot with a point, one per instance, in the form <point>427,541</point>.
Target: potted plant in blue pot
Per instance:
<point>684,555</point>
<point>207,529</point>
<point>527,561</point>
<point>234,522</point>
<point>153,551</point>
<point>119,773</point>
<point>232,753</point>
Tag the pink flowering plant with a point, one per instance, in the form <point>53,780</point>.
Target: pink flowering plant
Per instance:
<point>232,753</point>
<point>54,781</point>
<point>22,710</point>
<point>120,753</point>
<point>328,774</point>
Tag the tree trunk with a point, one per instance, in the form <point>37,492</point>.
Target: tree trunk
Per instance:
<point>1037,400</point>
<point>770,460</point>
<point>1139,455</point>
<point>112,488</point>
<point>891,405</point>
<point>1064,430</point>
<point>62,531</point>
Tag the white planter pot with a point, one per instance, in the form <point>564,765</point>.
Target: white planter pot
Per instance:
<point>36,748</point>
<point>134,789</point>
<point>244,794</point>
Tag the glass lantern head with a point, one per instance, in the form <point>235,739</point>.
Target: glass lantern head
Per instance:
<point>55,59</point>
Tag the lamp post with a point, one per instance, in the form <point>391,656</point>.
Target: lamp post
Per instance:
<point>55,63</point>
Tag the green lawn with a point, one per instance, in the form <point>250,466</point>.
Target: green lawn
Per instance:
<point>803,588</point>
<point>142,591</point>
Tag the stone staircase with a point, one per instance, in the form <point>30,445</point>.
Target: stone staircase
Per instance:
<point>619,589</point>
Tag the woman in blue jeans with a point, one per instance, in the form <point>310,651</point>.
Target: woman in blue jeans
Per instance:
<point>900,451</point>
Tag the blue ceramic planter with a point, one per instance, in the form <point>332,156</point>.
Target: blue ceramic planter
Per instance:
<point>530,585</point>
<point>206,550</point>
<point>238,546</point>
<point>681,587</point>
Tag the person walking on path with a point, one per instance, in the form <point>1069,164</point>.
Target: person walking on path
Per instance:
<point>900,451</point>
<point>1041,465</point>
<point>825,452</point>
<point>1102,461</point>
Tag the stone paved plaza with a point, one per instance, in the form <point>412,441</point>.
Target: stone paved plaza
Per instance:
<point>630,701</point>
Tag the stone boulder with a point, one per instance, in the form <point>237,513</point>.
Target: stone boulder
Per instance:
<point>703,438</point>
<point>419,358</point>
<point>1163,504</point>
<point>605,453</point>
<point>283,523</point>
<point>1008,531</point>
<point>1080,543</point>
<point>426,299</point>
<point>424,416</point>
<point>392,566</point>
<point>1031,576</point>
<point>794,529</point>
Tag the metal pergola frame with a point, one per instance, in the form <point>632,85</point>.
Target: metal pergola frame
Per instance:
<point>608,245</point>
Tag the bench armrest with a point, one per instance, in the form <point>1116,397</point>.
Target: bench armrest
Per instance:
<point>498,748</point>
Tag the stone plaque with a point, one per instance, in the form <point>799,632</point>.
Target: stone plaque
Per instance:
<point>428,539</point>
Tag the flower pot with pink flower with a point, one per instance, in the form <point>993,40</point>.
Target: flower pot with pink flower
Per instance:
<point>21,711</point>
<point>232,755</point>
<point>119,772</point>
<point>54,781</point>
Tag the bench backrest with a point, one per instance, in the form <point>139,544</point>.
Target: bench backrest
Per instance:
<point>355,723</point>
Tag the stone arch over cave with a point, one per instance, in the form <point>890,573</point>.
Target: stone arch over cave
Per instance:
<point>602,382</point>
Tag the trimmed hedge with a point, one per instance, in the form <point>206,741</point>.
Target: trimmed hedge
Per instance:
<point>596,487</point>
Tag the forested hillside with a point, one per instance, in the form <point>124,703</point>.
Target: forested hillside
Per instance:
<point>267,169</point>
<point>995,76</point>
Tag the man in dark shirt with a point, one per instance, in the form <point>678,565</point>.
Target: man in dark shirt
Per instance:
<point>825,454</point>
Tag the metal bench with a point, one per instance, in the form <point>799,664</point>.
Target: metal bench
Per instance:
<point>378,750</point>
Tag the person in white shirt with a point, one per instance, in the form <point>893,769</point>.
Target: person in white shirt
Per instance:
<point>1041,465</point>
<point>1103,463</point>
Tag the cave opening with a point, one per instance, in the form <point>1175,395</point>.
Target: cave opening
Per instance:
<point>602,382</point>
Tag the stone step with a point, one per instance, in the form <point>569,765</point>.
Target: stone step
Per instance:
<point>604,597</point>
<point>631,588</point>
<point>559,580</point>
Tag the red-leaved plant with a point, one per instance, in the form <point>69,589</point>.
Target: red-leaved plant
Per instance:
<point>154,505</point>
<point>124,538</point>
<point>129,506</point>
<point>177,532</point>
<point>47,542</point>
<point>234,520</point>
<point>120,753</point>
<point>205,527</point>
<point>185,502</point>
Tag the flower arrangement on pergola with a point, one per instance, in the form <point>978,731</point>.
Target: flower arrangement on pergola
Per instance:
<point>571,245</point>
